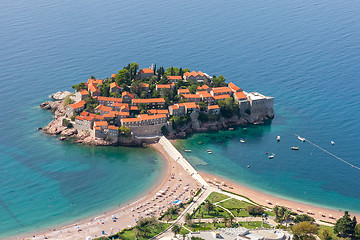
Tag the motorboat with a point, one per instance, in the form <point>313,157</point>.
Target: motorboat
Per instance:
<point>295,148</point>
<point>242,140</point>
<point>301,139</point>
<point>248,166</point>
<point>187,150</point>
<point>278,138</point>
<point>271,156</point>
<point>332,143</point>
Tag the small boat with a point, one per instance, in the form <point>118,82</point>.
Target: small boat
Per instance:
<point>271,156</point>
<point>332,143</point>
<point>209,150</point>
<point>278,138</point>
<point>231,129</point>
<point>295,148</point>
<point>187,150</point>
<point>301,139</point>
<point>248,166</point>
<point>242,141</point>
<point>267,153</point>
<point>200,142</point>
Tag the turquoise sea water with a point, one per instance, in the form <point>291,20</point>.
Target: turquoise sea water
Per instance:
<point>304,53</point>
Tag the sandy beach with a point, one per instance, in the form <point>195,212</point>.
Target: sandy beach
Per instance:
<point>175,183</point>
<point>270,201</point>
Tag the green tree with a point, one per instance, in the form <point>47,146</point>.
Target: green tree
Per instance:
<point>225,220</point>
<point>231,219</point>
<point>287,216</point>
<point>176,229</point>
<point>125,131</point>
<point>122,77</point>
<point>344,226</point>
<point>255,210</point>
<point>219,81</point>
<point>325,234</point>
<point>208,206</point>
<point>304,230</point>
<point>357,231</point>
<point>164,130</point>
<point>188,219</point>
<point>303,218</point>
<point>67,101</point>
<point>79,86</point>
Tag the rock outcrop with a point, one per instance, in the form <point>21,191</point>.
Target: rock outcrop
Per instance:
<point>60,95</point>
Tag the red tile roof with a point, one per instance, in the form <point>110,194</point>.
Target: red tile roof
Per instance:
<point>149,100</point>
<point>114,85</point>
<point>204,94</point>
<point>188,105</point>
<point>92,87</point>
<point>174,106</point>
<point>181,90</point>
<point>193,73</point>
<point>98,117</point>
<point>146,70</point>
<point>126,120</point>
<point>84,113</point>
<point>112,127</point>
<point>224,96</point>
<point>144,85</point>
<point>79,118</point>
<point>191,96</point>
<point>84,92</point>
<point>134,108</point>
<point>119,104</point>
<point>221,90</point>
<point>96,81</point>
<point>213,107</point>
<point>240,95</point>
<point>174,77</point>
<point>158,111</point>
<point>78,104</point>
<point>87,118</point>
<point>151,117</point>
<point>169,85</point>
<point>110,99</point>
<point>234,87</point>
<point>113,75</point>
<point>103,108</point>
<point>100,123</point>
<point>127,94</point>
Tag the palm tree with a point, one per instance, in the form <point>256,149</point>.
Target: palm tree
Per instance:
<point>215,221</point>
<point>287,216</point>
<point>188,219</point>
<point>176,229</point>
<point>208,207</point>
<point>225,220</point>
<point>238,211</point>
<point>276,211</point>
<point>231,218</point>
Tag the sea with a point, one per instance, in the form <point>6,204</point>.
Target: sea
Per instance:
<point>304,53</point>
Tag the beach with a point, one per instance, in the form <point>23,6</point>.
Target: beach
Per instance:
<point>174,183</point>
<point>270,201</point>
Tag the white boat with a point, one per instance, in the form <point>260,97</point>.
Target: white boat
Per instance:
<point>278,138</point>
<point>242,141</point>
<point>187,150</point>
<point>332,143</point>
<point>301,139</point>
<point>271,156</point>
<point>295,148</point>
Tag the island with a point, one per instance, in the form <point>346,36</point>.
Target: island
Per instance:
<point>138,106</point>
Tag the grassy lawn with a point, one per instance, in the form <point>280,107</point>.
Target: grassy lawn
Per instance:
<point>252,225</point>
<point>216,197</point>
<point>234,204</point>
<point>331,230</point>
<point>217,212</point>
<point>130,234</point>
<point>183,231</point>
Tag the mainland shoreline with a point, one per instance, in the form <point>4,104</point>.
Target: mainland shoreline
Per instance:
<point>125,218</point>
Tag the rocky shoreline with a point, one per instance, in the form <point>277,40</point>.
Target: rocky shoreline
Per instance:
<point>56,127</point>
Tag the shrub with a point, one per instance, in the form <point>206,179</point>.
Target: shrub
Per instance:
<point>67,123</point>
<point>255,210</point>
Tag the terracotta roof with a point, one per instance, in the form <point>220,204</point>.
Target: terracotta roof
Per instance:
<point>234,87</point>
<point>103,108</point>
<point>110,99</point>
<point>213,107</point>
<point>79,118</point>
<point>127,94</point>
<point>149,100</point>
<point>188,104</point>
<point>100,123</point>
<point>130,120</point>
<point>204,94</point>
<point>119,104</point>
<point>144,85</point>
<point>224,96</point>
<point>174,106</point>
<point>174,77</point>
<point>84,92</point>
<point>191,96</point>
<point>93,88</point>
<point>112,127</point>
<point>193,73</point>
<point>87,118</point>
<point>84,113</point>
<point>158,111</point>
<point>146,70</point>
<point>123,114</point>
<point>240,95</point>
<point>221,90</point>
<point>78,104</point>
<point>205,87</point>
<point>114,85</point>
<point>113,75</point>
<point>169,85</point>
<point>96,81</point>
<point>99,117</point>
<point>110,114</point>
<point>98,128</point>
<point>134,108</point>
<point>151,117</point>
<point>181,90</point>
